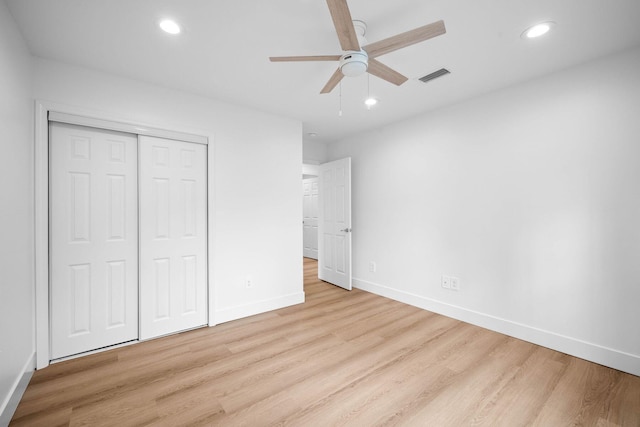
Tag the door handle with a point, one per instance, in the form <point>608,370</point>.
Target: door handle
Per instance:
<point>346,230</point>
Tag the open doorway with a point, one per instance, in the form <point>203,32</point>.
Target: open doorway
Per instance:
<point>310,212</point>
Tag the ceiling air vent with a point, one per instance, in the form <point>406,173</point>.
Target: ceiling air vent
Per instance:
<point>441,72</point>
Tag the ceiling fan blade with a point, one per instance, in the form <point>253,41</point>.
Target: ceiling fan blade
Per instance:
<point>344,24</point>
<point>304,58</point>
<point>378,69</point>
<point>405,39</point>
<point>333,81</point>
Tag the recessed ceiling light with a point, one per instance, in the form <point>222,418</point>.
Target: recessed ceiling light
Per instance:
<point>170,26</point>
<point>312,134</point>
<point>537,30</point>
<point>370,102</point>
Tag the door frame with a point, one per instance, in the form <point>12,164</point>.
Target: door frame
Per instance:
<point>97,119</point>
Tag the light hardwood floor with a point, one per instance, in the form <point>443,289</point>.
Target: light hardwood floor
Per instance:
<point>341,358</point>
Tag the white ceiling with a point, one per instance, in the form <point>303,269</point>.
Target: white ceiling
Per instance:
<point>224,49</point>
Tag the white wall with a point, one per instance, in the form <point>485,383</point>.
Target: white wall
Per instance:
<point>16,208</point>
<point>314,152</point>
<point>530,195</point>
<point>257,211</point>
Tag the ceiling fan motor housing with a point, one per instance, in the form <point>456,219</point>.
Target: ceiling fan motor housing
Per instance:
<point>354,63</point>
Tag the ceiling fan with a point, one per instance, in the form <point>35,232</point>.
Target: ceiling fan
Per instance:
<point>358,59</point>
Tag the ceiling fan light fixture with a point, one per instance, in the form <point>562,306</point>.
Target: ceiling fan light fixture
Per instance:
<point>354,63</point>
<point>170,26</point>
<point>537,30</point>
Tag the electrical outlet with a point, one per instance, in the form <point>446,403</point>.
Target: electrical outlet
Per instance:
<point>446,282</point>
<point>248,282</point>
<point>372,267</point>
<point>455,283</point>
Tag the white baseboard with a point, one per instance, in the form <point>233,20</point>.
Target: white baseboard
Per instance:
<point>612,358</point>
<point>257,307</point>
<point>11,401</point>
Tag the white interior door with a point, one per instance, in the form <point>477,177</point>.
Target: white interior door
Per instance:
<point>173,236</point>
<point>334,223</point>
<point>93,239</point>
<point>310,217</point>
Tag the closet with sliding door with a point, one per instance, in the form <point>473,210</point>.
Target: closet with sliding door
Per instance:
<point>127,236</point>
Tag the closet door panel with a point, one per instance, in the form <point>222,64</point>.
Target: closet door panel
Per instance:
<point>173,236</point>
<point>93,239</point>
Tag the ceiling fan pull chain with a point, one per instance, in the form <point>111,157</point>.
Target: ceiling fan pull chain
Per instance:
<point>366,101</point>
<point>340,101</point>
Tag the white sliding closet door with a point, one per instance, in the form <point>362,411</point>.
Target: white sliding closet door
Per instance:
<point>94,233</point>
<point>173,236</point>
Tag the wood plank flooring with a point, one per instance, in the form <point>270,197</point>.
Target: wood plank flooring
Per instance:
<point>341,358</point>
